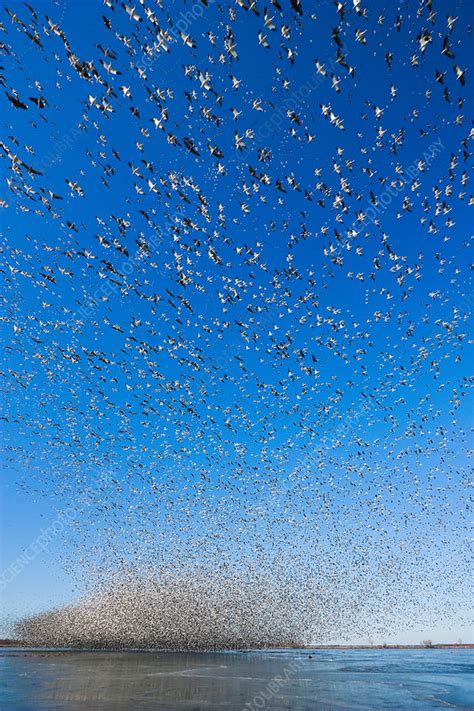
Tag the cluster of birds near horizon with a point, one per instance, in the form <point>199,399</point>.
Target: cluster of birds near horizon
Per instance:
<point>235,287</point>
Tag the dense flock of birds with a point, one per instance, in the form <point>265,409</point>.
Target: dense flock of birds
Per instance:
<point>236,301</point>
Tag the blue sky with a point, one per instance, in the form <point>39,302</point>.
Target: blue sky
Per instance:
<point>258,374</point>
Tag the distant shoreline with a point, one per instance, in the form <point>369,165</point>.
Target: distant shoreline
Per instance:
<point>389,646</point>
<point>18,644</point>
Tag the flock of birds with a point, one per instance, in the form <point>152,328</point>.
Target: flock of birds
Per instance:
<point>236,302</point>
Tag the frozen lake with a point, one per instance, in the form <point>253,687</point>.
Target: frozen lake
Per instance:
<point>277,680</point>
